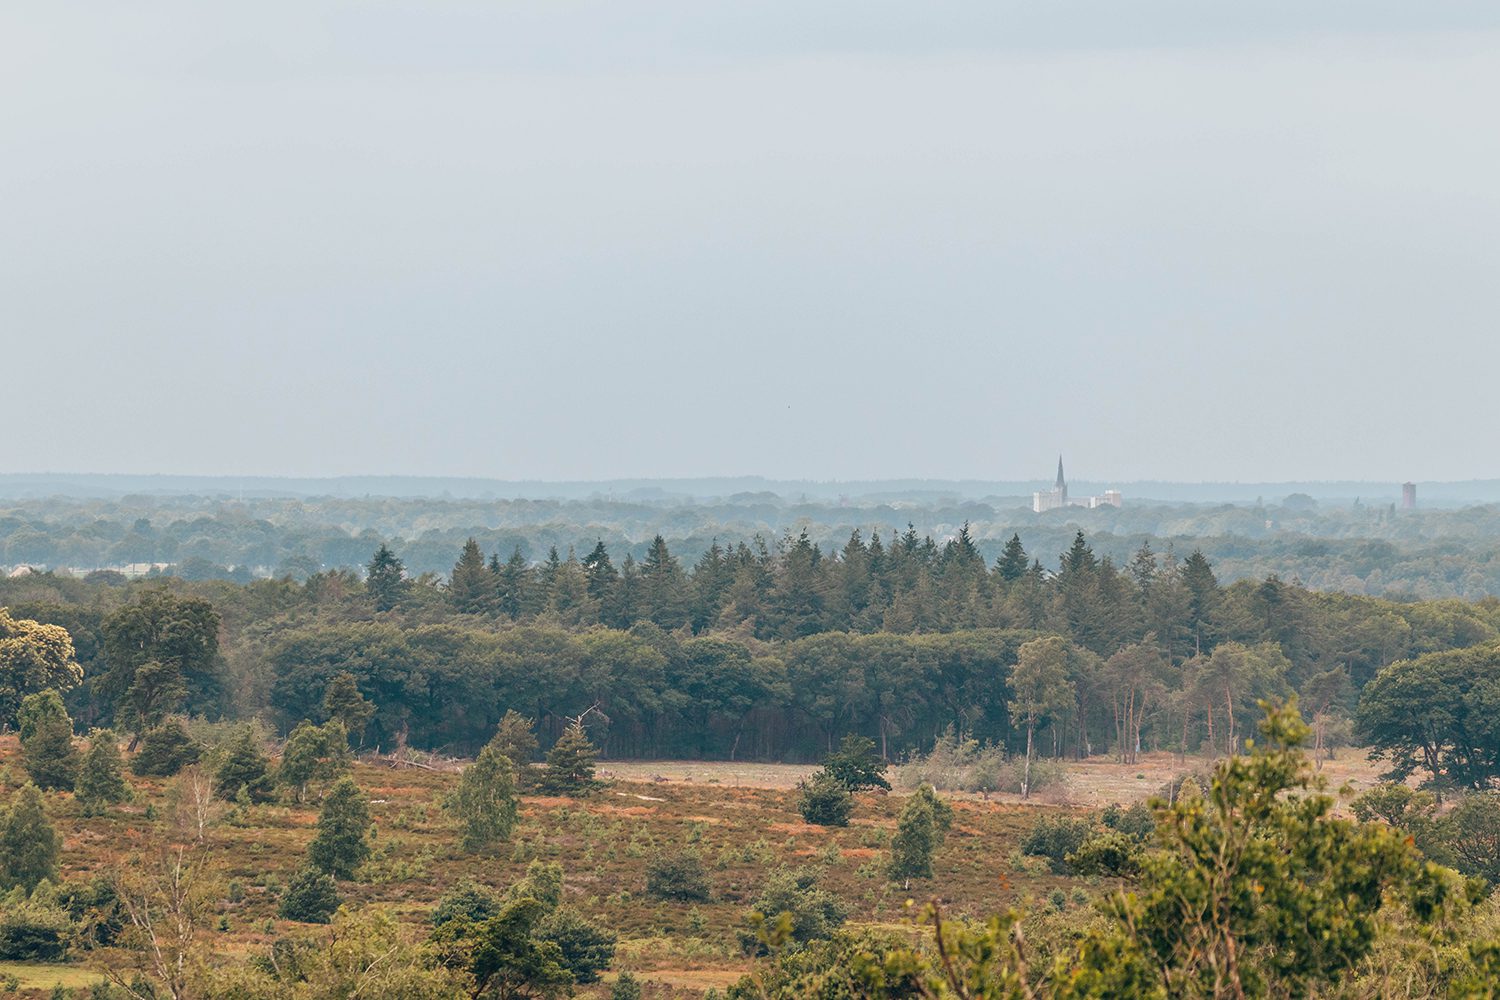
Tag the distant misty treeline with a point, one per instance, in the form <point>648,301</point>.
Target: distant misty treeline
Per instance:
<point>1357,548</point>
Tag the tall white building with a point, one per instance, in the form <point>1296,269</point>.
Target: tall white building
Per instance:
<point>1057,496</point>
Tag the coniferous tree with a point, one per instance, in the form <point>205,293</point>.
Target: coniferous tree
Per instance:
<point>601,574</point>
<point>485,801</point>
<point>663,586</point>
<point>514,586</point>
<point>385,579</point>
<point>47,749</point>
<point>244,767</point>
<point>28,843</point>
<point>471,588</point>
<point>342,841</point>
<point>1013,563</point>
<point>570,764</point>
<point>100,782</point>
<point>343,703</point>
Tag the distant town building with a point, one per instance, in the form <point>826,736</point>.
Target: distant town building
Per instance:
<point>1408,496</point>
<point>1057,497</point>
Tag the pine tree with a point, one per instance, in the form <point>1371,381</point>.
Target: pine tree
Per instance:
<point>28,843</point>
<point>343,702</point>
<point>600,572</point>
<point>570,764</point>
<point>47,741</point>
<point>342,841</point>
<point>100,782</point>
<point>485,800</point>
<point>663,585</point>
<point>471,588</point>
<point>514,586</point>
<point>385,579</point>
<point>244,767</point>
<point>1012,563</point>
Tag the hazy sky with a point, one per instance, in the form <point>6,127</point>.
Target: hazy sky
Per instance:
<point>1183,240</point>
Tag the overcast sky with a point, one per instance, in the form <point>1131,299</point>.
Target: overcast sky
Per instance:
<point>1181,240</point>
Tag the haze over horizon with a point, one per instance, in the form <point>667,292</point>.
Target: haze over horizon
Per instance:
<point>589,242</point>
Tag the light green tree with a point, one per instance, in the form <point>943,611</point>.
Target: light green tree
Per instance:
<point>47,749</point>
<point>1042,690</point>
<point>484,802</point>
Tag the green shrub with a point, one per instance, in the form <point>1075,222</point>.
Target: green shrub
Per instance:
<point>824,801</point>
<point>33,926</point>
<point>311,897</point>
<point>792,902</point>
<point>47,750</point>
<point>164,750</point>
<point>1055,838</point>
<point>587,949</point>
<point>677,875</point>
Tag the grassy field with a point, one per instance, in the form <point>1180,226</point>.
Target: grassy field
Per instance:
<point>740,818</point>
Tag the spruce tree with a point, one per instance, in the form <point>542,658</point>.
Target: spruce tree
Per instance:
<point>28,843</point>
<point>343,702</point>
<point>100,783</point>
<point>1013,562</point>
<point>570,764</point>
<point>342,841</point>
<point>244,767</point>
<point>47,749</point>
<point>385,579</point>
<point>471,588</point>
<point>485,800</point>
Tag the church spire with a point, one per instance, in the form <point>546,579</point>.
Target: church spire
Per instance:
<point>1060,481</point>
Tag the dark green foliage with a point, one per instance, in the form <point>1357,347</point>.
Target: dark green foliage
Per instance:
<point>792,909</point>
<point>856,765</point>
<point>587,949</point>
<point>385,579</point>
<point>920,829</point>
<point>465,900</point>
<point>311,897</point>
<point>824,801</point>
<point>515,738</point>
<point>33,926</point>
<point>343,703</point>
<point>164,750</point>
<point>625,987</point>
<point>29,844</point>
<point>313,756</point>
<point>1107,852</point>
<point>503,953</point>
<point>1439,714</point>
<point>163,656</point>
<point>471,586</point>
<point>244,769</point>
<point>484,803</point>
<point>1138,821</point>
<point>1055,838</point>
<point>570,764</point>
<point>47,749</point>
<point>677,875</point>
<point>342,843</point>
<point>100,782</point>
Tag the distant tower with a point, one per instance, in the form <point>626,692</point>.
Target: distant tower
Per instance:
<point>1054,498</point>
<point>1409,496</point>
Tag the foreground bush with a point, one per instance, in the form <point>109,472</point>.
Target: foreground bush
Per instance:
<point>824,801</point>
